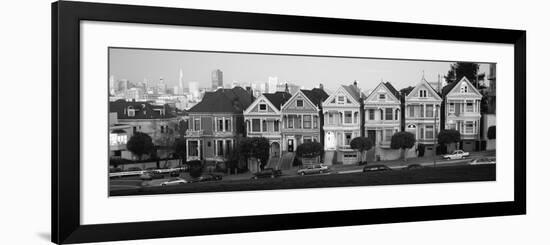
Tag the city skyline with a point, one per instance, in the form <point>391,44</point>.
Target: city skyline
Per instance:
<point>182,67</point>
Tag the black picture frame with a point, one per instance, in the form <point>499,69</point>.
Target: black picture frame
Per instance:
<point>66,17</point>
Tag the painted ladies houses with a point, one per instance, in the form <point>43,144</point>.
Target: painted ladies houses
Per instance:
<point>301,116</point>
<point>422,118</point>
<point>215,123</point>
<point>382,120</point>
<point>342,122</point>
<point>263,118</point>
<point>462,112</point>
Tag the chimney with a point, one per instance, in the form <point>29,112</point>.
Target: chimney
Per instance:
<point>286,87</point>
<point>321,86</point>
<point>355,83</point>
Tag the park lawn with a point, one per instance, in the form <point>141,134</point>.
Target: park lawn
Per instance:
<point>463,173</point>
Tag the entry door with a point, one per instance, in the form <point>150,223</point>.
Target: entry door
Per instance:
<point>290,144</point>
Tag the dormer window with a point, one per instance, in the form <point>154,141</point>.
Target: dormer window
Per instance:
<point>263,107</point>
<point>423,93</point>
<point>300,103</point>
<point>382,96</point>
<point>131,111</point>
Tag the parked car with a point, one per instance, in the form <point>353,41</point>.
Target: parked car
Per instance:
<point>483,160</point>
<point>414,166</point>
<point>458,154</point>
<point>313,169</point>
<point>267,173</point>
<point>133,169</point>
<point>174,181</point>
<point>115,170</point>
<point>149,175</point>
<point>208,177</point>
<point>376,168</point>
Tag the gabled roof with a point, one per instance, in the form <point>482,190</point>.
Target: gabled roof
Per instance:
<point>233,100</point>
<point>143,109</point>
<point>389,87</point>
<point>316,96</point>
<point>427,84</point>
<point>449,87</point>
<point>278,98</point>
<point>353,91</point>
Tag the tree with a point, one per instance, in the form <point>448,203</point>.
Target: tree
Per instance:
<point>361,144</point>
<point>492,132</point>
<point>403,141</point>
<point>309,149</point>
<point>180,149</point>
<point>448,136</point>
<point>140,144</point>
<point>256,147</point>
<point>464,69</point>
<point>407,90</point>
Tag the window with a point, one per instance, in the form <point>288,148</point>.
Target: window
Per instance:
<point>382,96</point>
<point>197,125</point>
<point>193,149</point>
<point>389,113</point>
<point>134,130</point>
<point>307,121</point>
<point>411,111</point>
<point>330,118</point>
<point>300,103</point>
<point>131,112</point>
<point>429,110</point>
<point>341,99</point>
<point>228,124</point>
<point>355,117</point>
<point>350,155</point>
<point>429,131</point>
<point>276,126</point>
<point>219,148</point>
<point>464,88</point>
<point>388,133</point>
<point>220,124</point>
<point>421,112</point>
<point>347,117</point>
<point>469,106</point>
<point>264,126</point>
<point>421,132</point>
<point>298,122</point>
<point>162,129</point>
<point>263,107</point>
<point>228,147</point>
<point>315,121</point>
<point>423,93</point>
<point>255,125</point>
<point>347,138</point>
<point>451,107</point>
<point>290,121</point>
<point>371,114</point>
<point>469,127</point>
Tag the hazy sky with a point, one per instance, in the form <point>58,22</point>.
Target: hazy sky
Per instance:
<point>139,64</point>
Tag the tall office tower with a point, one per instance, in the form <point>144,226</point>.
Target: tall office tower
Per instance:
<point>162,86</point>
<point>194,90</point>
<point>180,90</point>
<point>217,79</point>
<point>272,84</point>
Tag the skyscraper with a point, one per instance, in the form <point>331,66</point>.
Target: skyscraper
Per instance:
<point>272,84</point>
<point>180,89</point>
<point>217,79</point>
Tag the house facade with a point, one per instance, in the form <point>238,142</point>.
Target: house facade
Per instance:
<point>462,112</point>
<point>382,120</point>
<point>301,117</point>
<point>263,118</point>
<point>342,122</point>
<point>160,121</point>
<point>215,124</point>
<point>422,115</point>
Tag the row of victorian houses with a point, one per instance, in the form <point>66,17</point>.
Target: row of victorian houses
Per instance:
<point>288,120</point>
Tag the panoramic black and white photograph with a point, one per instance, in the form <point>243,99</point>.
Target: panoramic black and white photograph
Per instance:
<point>190,121</point>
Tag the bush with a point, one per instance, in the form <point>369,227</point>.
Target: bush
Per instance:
<point>297,162</point>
